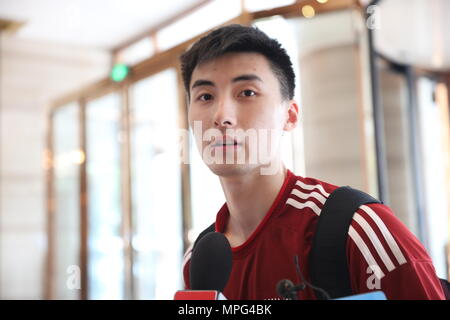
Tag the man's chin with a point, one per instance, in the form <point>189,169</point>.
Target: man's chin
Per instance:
<point>233,170</point>
<point>230,170</point>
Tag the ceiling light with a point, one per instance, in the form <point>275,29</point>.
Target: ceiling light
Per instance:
<point>308,11</point>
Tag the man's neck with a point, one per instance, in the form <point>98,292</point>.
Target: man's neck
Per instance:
<point>249,198</point>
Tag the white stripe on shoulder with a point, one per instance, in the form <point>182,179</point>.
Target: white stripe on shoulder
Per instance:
<point>307,204</point>
<point>366,253</point>
<point>305,196</point>
<point>375,241</point>
<point>386,234</point>
<point>312,187</point>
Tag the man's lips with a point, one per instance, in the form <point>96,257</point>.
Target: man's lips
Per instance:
<point>224,142</point>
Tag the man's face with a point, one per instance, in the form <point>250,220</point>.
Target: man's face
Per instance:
<point>237,113</point>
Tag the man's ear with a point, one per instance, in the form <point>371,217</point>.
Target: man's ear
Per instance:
<point>292,118</point>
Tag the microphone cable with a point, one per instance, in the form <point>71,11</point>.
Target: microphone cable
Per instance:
<point>299,273</point>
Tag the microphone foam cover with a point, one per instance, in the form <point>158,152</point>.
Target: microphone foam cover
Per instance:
<point>284,288</point>
<point>211,263</point>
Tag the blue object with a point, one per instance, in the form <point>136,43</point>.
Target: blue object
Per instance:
<point>375,295</point>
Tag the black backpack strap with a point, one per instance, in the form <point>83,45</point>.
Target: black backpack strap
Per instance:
<point>328,265</point>
<point>211,228</point>
<point>446,288</point>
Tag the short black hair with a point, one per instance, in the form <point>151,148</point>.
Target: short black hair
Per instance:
<point>239,38</point>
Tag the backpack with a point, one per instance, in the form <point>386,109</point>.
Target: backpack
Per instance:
<point>328,258</point>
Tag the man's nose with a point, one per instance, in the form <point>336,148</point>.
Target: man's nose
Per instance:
<point>225,115</point>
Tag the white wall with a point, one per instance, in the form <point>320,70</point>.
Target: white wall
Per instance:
<point>332,102</point>
<point>32,74</point>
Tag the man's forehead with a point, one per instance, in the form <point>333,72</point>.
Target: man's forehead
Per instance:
<point>244,59</point>
<point>229,63</point>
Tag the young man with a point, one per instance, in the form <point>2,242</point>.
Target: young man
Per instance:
<point>240,87</point>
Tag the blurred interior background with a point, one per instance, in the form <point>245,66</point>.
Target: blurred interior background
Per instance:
<point>94,200</point>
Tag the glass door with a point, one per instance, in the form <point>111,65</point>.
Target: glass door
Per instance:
<point>105,244</point>
<point>156,186</point>
<point>66,225</point>
<point>433,125</point>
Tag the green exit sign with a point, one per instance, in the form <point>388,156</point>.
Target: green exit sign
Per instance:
<point>119,72</point>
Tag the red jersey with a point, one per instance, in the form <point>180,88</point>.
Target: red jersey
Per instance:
<point>382,253</point>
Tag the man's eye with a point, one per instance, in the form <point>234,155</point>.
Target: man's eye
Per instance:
<point>247,93</point>
<point>205,97</point>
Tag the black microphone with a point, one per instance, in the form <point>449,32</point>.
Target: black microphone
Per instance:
<point>211,263</point>
<point>287,289</point>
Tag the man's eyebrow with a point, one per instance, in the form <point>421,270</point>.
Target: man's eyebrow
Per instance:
<point>244,77</point>
<point>247,77</point>
<point>202,82</point>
